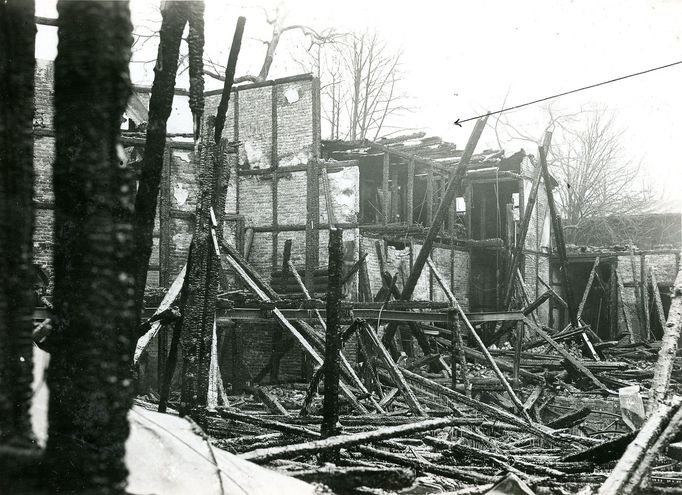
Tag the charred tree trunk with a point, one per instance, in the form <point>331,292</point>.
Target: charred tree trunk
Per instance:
<point>89,374</point>
<point>17,65</point>
<point>175,14</point>
<point>200,291</point>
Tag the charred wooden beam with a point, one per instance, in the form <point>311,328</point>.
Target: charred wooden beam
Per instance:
<point>666,355</point>
<point>558,237</point>
<point>586,293</point>
<point>577,365</point>
<point>347,441</point>
<point>657,298</point>
<point>17,70</point>
<point>330,400</point>
<point>395,372</point>
<point>523,230</point>
<point>661,427</point>
<point>230,70</point>
<point>472,332</point>
<point>174,19</point>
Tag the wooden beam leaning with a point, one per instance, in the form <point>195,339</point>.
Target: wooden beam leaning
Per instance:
<point>454,184</point>
<point>472,332</point>
<point>588,287</point>
<point>644,289</point>
<point>630,470</point>
<point>227,259</point>
<point>567,356</point>
<point>657,299</point>
<point>558,236</point>
<point>354,269</point>
<point>668,351</point>
<point>344,362</point>
<point>166,303</point>
<point>527,214</point>
<point>394,371</point>
<point>627,315</point>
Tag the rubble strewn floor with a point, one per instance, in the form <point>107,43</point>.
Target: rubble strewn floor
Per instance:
<point>587,432</point>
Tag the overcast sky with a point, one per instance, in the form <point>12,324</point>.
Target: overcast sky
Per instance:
<point>462,58</point>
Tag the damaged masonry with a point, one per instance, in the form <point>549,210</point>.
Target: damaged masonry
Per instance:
<point>399,315</point>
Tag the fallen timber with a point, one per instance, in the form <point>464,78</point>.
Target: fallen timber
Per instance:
<point>496,439</point>
<point>425,466</point>
<point>228,259</point>
<point>346,441</point>
<point>477,339</point>
<point>653,437</point>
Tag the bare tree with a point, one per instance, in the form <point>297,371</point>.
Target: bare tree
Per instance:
<point>596,178</point>
<point>360,83</point>
<point>373,71</point>
<point>277,20</point>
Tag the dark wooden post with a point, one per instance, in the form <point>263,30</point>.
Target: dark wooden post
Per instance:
<point>517,351</point>
<point>17,67</point>
<point>89,373</point>
<point>559,238</point>
<point>386,206</point>
<point>175,16</point>
<point>410,193</point>
<point>330,404</point>
<point>429,195</point>
<point>523,230</point>
<point>200,288</point>
<point>644,288</point>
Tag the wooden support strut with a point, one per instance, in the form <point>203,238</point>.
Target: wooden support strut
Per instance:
<point>627,315</point>
<point>344,361</point>
<point>394,371</point>
<point>657,299</point>
<point>558,237</point>
<point>590,280</point>
<point>472,332</point>
<point>528,213</point>
<point>568,357</point>
<point>332,348</point>
<point>227,259</point>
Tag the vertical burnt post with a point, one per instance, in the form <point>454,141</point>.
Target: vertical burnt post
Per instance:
<point>17,67</point>
<point>330,404</point>
<point>454,347</point>
<point>94,265</point>
<point>559,238</point>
